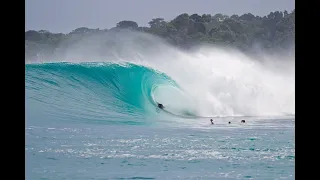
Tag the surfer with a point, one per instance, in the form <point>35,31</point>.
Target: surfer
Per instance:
<point>243,121</point>
<point>160,106</point>
<point>211,121</point>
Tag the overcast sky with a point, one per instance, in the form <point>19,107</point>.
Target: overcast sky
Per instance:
<point>67,15</point>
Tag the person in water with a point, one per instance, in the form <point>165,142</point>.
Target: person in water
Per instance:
<point>211,121</point>
<point>243,121</point>
<point>229,122</point>
<point>160,106</point>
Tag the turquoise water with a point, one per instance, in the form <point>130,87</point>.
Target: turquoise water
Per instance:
<point>100,121</point>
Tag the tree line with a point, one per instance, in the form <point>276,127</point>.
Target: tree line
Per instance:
<point>273,32</point>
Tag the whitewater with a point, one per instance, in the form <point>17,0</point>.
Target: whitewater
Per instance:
<point>91,112</point>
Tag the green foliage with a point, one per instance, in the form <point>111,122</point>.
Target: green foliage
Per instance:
<point>127,24</point>
<point>275,31</point>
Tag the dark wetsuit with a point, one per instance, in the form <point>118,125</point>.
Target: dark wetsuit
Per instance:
<point>160,106</point>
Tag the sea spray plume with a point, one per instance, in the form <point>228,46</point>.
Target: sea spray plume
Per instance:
<point>107,46</point>
<point>225,82</point>
<point>213,81</point>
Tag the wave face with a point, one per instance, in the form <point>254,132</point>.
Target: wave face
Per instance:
<point>125,87</point>
<point>96,91</point>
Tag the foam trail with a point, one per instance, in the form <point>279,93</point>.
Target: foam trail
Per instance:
<point>215,81</point>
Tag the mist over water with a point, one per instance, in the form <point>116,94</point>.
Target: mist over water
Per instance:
<point>213,81</point>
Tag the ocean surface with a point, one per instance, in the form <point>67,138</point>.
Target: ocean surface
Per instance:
<point>100,121</point>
